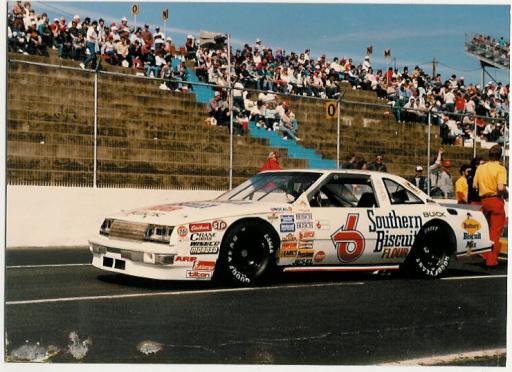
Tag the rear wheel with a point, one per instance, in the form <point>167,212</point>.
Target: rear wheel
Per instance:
<point>430,254</point>
<point>247,254</point>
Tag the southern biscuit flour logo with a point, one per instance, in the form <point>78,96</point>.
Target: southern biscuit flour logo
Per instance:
<point>348,242</point>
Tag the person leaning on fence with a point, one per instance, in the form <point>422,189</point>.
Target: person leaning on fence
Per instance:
<point>419,180</point>
<point>461,186</point>
<point>490,180</point>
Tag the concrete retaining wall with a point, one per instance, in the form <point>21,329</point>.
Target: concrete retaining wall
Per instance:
<point>42,216</point>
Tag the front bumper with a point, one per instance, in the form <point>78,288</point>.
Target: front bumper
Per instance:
<point>127,257</point>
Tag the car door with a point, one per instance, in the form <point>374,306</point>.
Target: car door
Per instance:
<point>340,207</point>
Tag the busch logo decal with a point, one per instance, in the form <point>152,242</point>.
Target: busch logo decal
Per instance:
<point>348,242</point>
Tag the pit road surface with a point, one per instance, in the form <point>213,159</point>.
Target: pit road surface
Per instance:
<point>356,318</point>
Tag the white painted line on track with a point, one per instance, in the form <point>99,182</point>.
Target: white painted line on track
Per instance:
<point>447,358</point>
<point>52,265</point>
<point>475,277</point>
<point>175,293</point>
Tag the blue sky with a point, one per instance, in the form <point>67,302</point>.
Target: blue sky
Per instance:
<point>414,33</point>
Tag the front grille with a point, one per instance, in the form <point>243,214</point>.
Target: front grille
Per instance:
<point>128,230</point>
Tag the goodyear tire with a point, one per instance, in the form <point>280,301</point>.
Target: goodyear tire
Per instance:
<point>247,254</point>
<point>430,254</point>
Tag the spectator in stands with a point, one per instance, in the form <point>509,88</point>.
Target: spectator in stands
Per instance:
<point>351,162</point>
<point>92,45</point>
<point>287,122</point>
<point>272,162</point>
<point>270,116</point>
<point>378,165</point>
<point>419,180</point>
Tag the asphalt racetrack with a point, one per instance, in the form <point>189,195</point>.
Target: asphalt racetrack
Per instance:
<point>60,308</point>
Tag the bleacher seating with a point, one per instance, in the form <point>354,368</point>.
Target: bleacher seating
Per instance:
<point>157,139</point>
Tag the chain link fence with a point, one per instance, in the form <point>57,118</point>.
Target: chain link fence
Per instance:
<point>67,126</point>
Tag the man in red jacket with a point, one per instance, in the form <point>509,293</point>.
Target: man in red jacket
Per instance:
<point>272,162</point>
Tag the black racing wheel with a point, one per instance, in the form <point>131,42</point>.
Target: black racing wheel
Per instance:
<point>248,253</point>
<point>430,254</point>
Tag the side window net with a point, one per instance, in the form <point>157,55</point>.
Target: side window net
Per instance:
<point>344,192</point>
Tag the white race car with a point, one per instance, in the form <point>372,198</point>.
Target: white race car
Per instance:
<point>293,220</point>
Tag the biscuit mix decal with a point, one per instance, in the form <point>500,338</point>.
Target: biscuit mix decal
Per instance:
<point>348,241</point>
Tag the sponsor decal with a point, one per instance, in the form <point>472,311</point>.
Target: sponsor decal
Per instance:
<point>205,248</point>
<point>287,218</point>
<point>287,227</point>
<point>384,226</point>
<point>182,231</point>
<point>349,242</point>
<point>219,225</point>
<point>288,253</point>
<point>185,259</point>
<point>304,216</point>
<point>204,265</point>
<point>289,245</point>
<point>319,256</point>
<point>471,225</point>
<point>322,225</point>
<point>288,237</point>
<point>305,235</point>
<point>203,236</point>
<point>472,228</point>
<point>470,245</point>
<point>304,225</point>
<point>281,209</point>
<point>166,208</point>
<point>303,205</point>
<point>200,227</point>
<point>272,217</point>
<point>303,262</point>
<point>198,205</point>
<point>433,214</point>
<point>305,254</point>
<point>305,245</point>
<point>395,252</point>
<point>198,274</point>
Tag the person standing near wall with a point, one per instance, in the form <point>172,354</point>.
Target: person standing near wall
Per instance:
<point>490,180</point>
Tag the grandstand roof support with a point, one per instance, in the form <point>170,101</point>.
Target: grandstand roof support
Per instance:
<point>484,66</point>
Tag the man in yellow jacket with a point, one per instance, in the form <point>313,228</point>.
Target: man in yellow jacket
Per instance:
<point>461,186</point>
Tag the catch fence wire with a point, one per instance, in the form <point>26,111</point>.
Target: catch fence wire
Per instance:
<point>153,138</point>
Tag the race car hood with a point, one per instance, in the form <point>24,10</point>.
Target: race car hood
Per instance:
<point>183,213</point>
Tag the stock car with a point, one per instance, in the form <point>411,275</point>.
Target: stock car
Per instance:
<point>292,220</point>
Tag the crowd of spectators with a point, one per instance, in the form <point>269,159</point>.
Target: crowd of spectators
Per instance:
<point>410,94</point>
<point>497,50</point>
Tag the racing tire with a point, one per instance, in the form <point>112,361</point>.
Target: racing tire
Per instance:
<point>430,253</point>
<point>247,255</point>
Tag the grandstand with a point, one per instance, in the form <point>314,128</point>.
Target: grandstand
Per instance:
<point>157,139</point>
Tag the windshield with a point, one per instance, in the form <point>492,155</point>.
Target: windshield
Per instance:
<point>279,187</point>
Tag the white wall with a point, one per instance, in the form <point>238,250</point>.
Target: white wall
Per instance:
<point>43,216</point>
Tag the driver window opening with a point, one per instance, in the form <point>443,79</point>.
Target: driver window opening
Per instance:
<point>345,192</point>
<point>399,195</point>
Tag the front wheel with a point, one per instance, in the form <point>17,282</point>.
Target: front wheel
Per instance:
<point>430,254</point>
<point>247,254</point>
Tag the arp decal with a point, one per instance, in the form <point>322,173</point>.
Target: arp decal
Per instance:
<point>319,256</point>
<point>349,242</point>
<point>182,231</point>
<point>472,228</point>
<point>219,225</point>
<point>200,227</point>
<point>185,259</point>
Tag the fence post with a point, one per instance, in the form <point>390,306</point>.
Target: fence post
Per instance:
<point>338,132</point>
<point>474,139</point>
<point>428,150</point>
<point>95,156</point>
<point>230,103</point>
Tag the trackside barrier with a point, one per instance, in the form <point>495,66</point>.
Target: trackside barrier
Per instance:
<point>118,130</point>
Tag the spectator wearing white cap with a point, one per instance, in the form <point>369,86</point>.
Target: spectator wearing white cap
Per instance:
<point>159,38</point>
<point>76,19</point>
<point>366,64</point>
<point>419,180</point>
<point>190,47</point>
